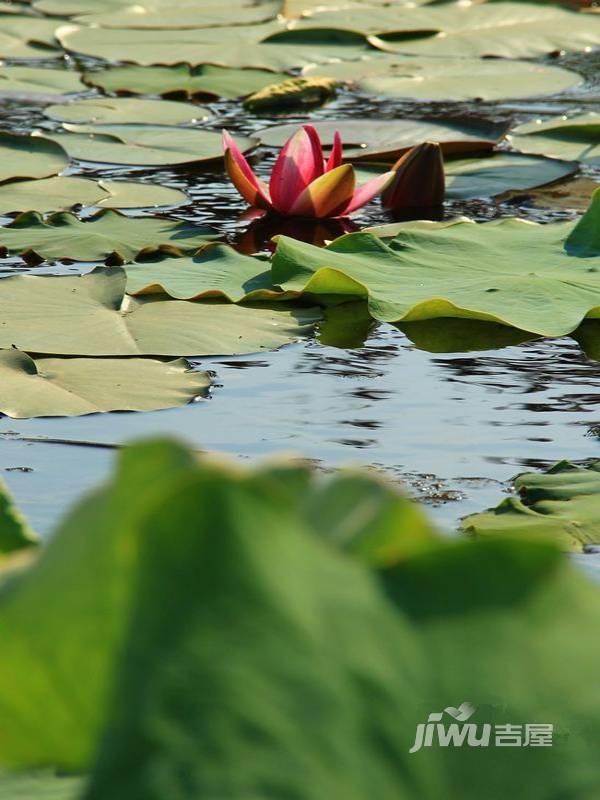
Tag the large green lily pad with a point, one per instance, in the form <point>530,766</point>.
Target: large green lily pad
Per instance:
<point>450,79</point>
<point>106,235</point>
<point>181,78</point>
<point>511,30</point>
<point>562,503</point>
<point>540,278</point>
<point>29,157</point>
<point>576,138</point>
<point>196,47</point>
<point>63,193</point>
<point>491,175</point>
<point>34,82</point>
<point>28,37</point>
<point>217,271</point>
<point>70,387</point>
<point>118,110</point>
<point>142,145</point>
<point>190,14</point>
<point>370,139</point>
<point>332,603</point>
<point>90,316</point>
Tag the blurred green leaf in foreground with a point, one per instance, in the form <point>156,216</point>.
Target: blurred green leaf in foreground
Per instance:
<point>198,631</point>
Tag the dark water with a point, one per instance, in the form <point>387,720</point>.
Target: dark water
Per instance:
<point>454,428</point>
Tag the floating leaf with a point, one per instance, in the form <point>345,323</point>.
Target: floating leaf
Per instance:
<point>376,139</point>
<point>158,14</point>
<point>511,30</point>
<point>28,37</point>
<point>449,79</point>
<point>574,195</point>
<point>29,157</point>
<point>142,145</point>
<point>292,92</point>
<point>111,110</point>
<point>89,315</point>
<point>181,78</point>
<point>576,138</point>
<point>70,387</point>
<point>218,271</point>
<point>196,47</point>
<point>269,575</point>
<point>562,503</point>
<point>57,194</point>
<point>514,272</point>
<point>34,82</point>
<point>106,235</point>
<point>494,174</point>
<point>15,533</point>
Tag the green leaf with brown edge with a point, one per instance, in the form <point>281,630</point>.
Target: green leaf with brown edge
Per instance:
<point>205,80</point>
<point>562,503</point>
<point>576,138</point>
<point>36,82</point>
<point>142,145</point>
<point>127,110</point>
<point>449,79</point>
<point>71,387</point>
<point>29,157</point>
<point>386,140</point>
<point>63,193</point>
<point>24,36</point>
<point>105,236</point>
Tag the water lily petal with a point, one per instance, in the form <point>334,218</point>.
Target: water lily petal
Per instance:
<point>365,193</point>
<point>298,164</point>
<point>251,190</point>
<point>335,157</point>
<point>317,147</point>
<point>328,195</point>
<point>242,176</point>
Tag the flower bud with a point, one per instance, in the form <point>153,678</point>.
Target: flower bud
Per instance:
<point>419,180</point>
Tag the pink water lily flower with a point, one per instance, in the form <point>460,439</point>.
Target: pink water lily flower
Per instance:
<point>302,183</point>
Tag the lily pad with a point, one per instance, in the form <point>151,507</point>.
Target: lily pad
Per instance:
<point>196,47</point>
<point>107,235</point>
<point>205,80</point>
<point>572,195</point>
<point>28,37</point>
<point>190,14</point>
<point>111,110</point>
<point>374,140</point>
<point>63,193</point>
<point>218,271</point>
<point>89,315</point>
<point>510,30</point>
<point>70,387</point>
<point>540,278</point>
<point>29,157</point>
<point>34,82</point>
<point>449,79</point>
<point>576,138</point>
<point>562,503</point>
<point>142,145</point>
<point>489,176</point>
